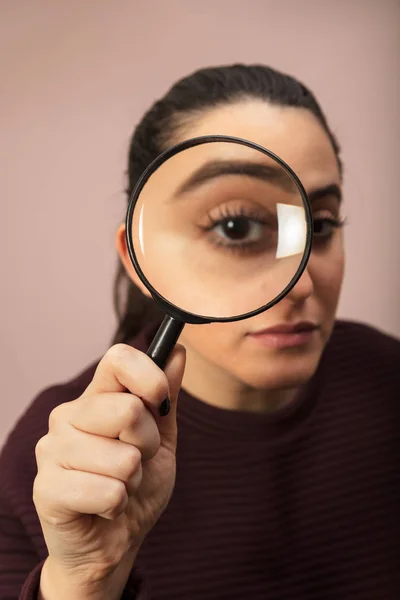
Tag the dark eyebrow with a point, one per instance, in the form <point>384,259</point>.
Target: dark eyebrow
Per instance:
<point>214,169</point>
<point>329,190</point>
<point>272,174</point>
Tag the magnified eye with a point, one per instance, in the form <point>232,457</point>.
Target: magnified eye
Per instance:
<point>219,228</point>
<point>240,229</point>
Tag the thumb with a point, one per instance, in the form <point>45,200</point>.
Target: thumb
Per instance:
<point>174,371</point>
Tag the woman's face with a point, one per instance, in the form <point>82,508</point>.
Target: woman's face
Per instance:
<point>232,349</point>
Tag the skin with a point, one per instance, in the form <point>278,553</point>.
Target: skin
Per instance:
<point>106,471</point>
<point>225,367</point>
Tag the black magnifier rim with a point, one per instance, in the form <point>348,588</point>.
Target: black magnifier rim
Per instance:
<point>171,309</point>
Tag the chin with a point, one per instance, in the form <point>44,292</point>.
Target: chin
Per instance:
<point>282,372</point>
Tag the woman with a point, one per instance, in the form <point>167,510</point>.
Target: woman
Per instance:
<point>287,480</point>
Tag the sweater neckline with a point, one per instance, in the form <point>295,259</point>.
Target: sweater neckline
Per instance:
<point>205,418</point>
<point>243,425</point>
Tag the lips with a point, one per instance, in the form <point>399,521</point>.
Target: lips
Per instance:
<point>284,328</point>
<point>286,335</point>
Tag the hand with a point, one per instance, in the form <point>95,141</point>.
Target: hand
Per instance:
<point>106,467</point>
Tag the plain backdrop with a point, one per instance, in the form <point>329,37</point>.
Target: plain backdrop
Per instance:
<point>75,77</point>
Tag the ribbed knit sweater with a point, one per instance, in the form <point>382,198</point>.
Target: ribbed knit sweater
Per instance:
<point>300,504</point>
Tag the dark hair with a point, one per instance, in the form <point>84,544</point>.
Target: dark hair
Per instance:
<point>204,89</point>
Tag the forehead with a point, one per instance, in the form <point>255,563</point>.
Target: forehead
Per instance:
<point>294,134</point>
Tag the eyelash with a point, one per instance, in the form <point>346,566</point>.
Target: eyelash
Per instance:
<point>226,213</point>
<point>336,223</point>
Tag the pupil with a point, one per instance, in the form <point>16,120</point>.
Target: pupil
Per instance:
<point>318,227</point>
<point>237,228</point>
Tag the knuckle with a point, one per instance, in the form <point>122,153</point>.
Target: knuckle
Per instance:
<point>116,494</point>
<point>57,415</point>
<point>132,410</point>
<point>42,447</point>
<point>130,463</point>
<point>116,355</point>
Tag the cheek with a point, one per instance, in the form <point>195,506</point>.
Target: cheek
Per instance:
<point>209,340</point>
<point>326,270</point>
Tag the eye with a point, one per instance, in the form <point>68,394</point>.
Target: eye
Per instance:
<point>239,229</point>
<point>243,230</point>
<point>325,226</point>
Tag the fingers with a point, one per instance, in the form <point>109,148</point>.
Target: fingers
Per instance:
<point>113,415</point>
<point>80,493</point>
<point>81,451</point>
<point>93,456</point>
<point>125,368</point>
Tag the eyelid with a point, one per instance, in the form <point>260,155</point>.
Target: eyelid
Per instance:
<point>223,212</point>
<point>326,213</point>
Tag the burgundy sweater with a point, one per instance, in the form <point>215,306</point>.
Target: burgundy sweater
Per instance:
<point>302,504</point>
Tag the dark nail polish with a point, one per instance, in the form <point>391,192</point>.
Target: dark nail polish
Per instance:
<point>164,407</point>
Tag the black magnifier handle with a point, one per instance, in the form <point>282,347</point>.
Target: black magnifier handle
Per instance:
<point>164,341</point>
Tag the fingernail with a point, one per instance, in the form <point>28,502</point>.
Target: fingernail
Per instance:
<point>164,407</point>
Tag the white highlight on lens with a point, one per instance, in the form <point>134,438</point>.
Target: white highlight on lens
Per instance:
<point>141,239</point>
<point>292,230</point>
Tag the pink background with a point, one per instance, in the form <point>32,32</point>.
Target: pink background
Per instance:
<point>75,78</point>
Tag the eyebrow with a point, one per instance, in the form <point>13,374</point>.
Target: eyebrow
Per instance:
<point>333,189</point>
<point>274,175</point>
<point>214,169</point>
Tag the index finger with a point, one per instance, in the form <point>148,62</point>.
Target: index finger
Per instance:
<point>125,368</point>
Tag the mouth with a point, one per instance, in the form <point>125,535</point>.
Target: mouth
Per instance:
<point>286,335</point>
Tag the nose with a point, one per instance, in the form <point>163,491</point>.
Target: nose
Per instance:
<point>302,290</point>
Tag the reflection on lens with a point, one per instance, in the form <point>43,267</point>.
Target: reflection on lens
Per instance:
<point>219,229</point>
<point>292,230</point>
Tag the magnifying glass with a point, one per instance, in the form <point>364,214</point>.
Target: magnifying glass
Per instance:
<point>218,229</point>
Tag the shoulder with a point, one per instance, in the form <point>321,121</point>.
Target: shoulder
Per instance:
<point>360,352</point>
<point>366,339</point>
<point>17,458</point>
<point>33,422</point>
